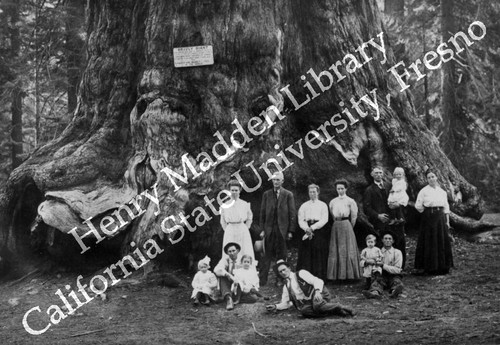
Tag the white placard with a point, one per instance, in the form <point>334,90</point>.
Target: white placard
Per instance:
<point>193,56</point>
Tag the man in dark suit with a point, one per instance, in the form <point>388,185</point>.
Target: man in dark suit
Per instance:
<point>277,221</point>
<point>376,209</point>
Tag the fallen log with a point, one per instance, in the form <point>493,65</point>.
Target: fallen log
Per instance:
<point>470,225</point>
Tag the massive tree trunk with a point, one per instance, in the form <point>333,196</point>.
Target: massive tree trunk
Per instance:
<point>138,114</point>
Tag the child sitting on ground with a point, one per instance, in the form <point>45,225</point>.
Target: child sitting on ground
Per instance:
<point>398,197</point>
<point>370,256</point>
<point>246,278</point>
<point>204,284</point>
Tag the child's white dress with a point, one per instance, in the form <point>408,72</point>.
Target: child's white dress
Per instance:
<point>247,279</point>
<point>205,283</point>
<point>398,193</point>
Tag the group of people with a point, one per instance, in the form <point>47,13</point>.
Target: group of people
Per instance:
<point>318,258</point>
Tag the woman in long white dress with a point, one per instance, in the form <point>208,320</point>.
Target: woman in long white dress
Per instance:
<point>236,218</point>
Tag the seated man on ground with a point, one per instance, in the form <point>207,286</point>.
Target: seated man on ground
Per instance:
<point>391,270</point>
<point>306,293</point>
<point>225,271</point>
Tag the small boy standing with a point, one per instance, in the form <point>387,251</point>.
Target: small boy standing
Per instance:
<point>370,253</point>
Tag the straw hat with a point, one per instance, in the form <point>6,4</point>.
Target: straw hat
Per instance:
<point>231,244</point>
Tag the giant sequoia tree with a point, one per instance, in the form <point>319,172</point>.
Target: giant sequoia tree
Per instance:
<point>138,114</point>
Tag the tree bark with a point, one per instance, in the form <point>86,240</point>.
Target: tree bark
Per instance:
<point>75,16</point>
<point>137,114</point>
<point>16,92</point>
<point>395,8</point>
<point>17,127</point>
<point>448,100</point>
<point>453,133</point>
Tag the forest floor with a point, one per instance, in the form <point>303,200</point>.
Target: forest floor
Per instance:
<point>462,307</point>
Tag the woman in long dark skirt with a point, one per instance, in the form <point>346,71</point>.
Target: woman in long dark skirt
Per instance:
<point>433,254</point>
<point>313,242</point>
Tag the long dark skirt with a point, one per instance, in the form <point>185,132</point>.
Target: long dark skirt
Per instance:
<point>313,254</point>
<point>433,253</point>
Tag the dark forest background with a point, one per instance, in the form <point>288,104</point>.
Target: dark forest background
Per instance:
<point>42,55</point>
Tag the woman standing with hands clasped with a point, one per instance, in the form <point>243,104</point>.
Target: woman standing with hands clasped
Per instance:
<point>236,219</point>
<point>343,259</point>
<point>433,254</point>
<point>313,246</point>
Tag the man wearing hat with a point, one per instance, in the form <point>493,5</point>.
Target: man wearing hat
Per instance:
<point>277,221</point>
<point>224,270</point>
<point>306,293</point>
<point>391,270</point>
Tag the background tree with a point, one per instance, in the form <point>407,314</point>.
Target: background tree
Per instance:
<point>12,86</point>
<point>41,61</point>
<point>73,25</point>
<point>458,102</point>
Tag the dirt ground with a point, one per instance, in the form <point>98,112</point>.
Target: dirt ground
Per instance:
<point>460,308</point>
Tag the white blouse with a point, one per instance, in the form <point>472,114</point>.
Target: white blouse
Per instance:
<point>432,197</point>
<point>343,206</point>
<point>313,210</point>
<point>238,212</point>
